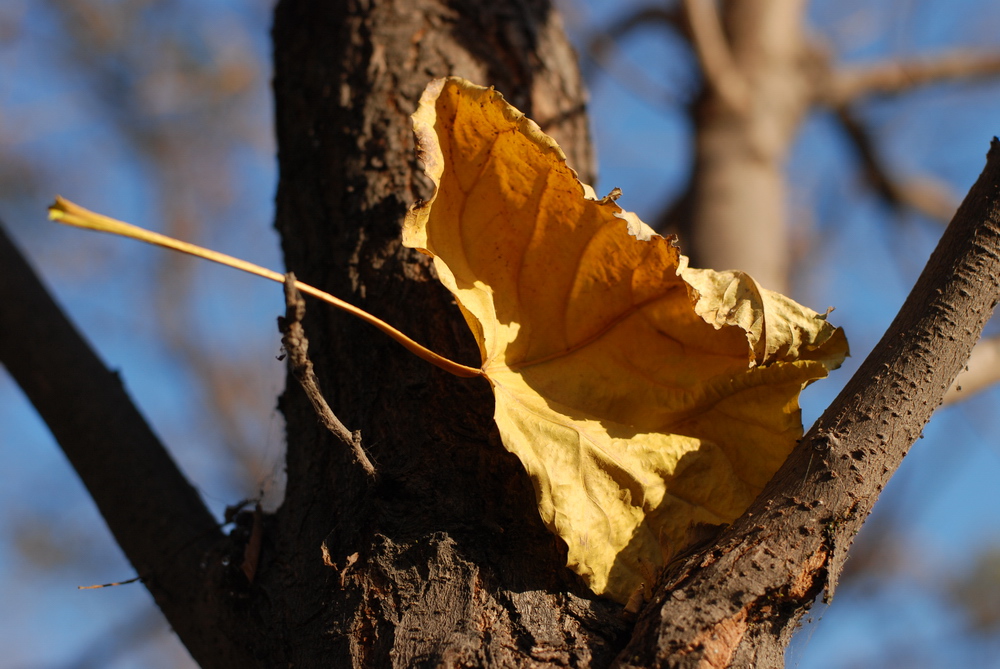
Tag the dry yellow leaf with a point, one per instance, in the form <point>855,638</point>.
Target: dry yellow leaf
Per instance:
<point>642,396</point>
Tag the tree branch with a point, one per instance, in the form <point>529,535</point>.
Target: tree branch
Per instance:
<point>713,51</point>
<point>981,371</point>
<point>932,199</point>
<point>642,16</point>
<point>923,195</point>
<point>849,84</point>
<point>155,515</point>
<point>601,46</point>
<point>737,602</point>
<point>295,343</point>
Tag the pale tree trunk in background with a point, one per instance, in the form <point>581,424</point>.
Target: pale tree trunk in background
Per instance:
<point>755,97</point>
<point>762,74</point>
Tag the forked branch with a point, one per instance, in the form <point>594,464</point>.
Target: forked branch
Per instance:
<point>736,602</point>
<point>714,54</point>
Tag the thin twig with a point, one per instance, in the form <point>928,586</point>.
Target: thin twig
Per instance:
<point>297,346</point>
<point>109,585</point>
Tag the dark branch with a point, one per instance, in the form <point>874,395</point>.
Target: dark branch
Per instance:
<point>737,602</point>
<point>921,195</point>
<point>297,346</point>
<point>639,18</point>
<point>155,515</point>
<point>602,46</point>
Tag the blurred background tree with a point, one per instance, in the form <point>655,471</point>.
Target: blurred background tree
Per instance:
<point>160,113</point>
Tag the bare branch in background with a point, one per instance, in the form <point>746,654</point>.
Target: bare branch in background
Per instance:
<point>714,54</point>
<point>179,112</point>
<point>922,194</point>
<point>934,200</point>
<point>848,84</point>
<point>741,151</point>
<point>981,371</point>
<point>602,50</point>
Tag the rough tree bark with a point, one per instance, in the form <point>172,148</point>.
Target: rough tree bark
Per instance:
<point>441,559</point>
<point>453,564</point>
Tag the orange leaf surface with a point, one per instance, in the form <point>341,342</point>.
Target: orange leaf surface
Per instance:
<point>643,397</point>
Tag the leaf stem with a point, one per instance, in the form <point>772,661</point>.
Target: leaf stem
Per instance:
<point>69,213</point>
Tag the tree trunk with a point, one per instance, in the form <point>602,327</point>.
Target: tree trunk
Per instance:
<point>453,566</point>
<point>756,94</point>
